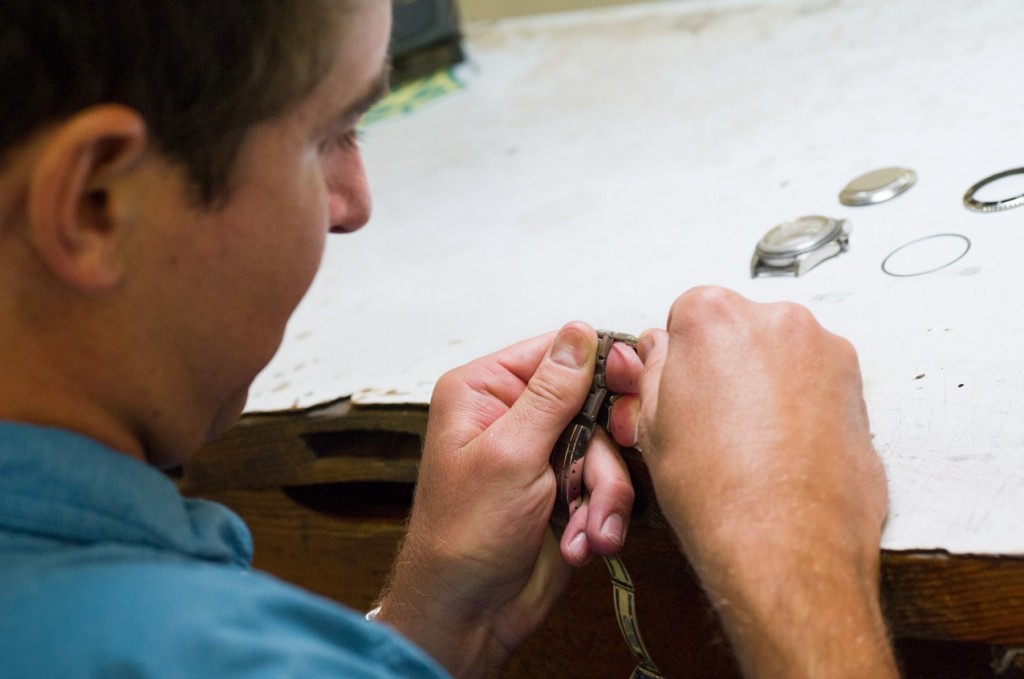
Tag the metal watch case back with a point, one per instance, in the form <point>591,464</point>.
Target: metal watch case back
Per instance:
<point>793,248</point>
<point>877,186</point>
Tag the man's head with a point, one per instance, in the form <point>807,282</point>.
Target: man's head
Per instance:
<point>200,73</point>
<point>168,172</point>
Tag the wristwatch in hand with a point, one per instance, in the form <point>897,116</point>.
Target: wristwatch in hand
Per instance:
<point>567,459</point>
<point>569,452</point>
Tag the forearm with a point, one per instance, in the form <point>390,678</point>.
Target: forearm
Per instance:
<point>808,617</point>
<point>753,425</point>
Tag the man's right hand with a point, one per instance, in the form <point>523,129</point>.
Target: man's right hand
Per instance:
<point>753,424</point>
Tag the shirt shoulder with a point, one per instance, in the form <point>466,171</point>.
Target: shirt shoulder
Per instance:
<point>175,618</point>
<point>106,570</point>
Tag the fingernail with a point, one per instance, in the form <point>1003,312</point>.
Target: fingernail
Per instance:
<point>569,349</point>
<point>578,546</point>
<point>612,528</point>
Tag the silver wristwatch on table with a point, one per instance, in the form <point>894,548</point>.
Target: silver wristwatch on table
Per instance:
<point>793,248</point>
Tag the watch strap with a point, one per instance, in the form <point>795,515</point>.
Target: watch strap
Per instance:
<point>567,459</point>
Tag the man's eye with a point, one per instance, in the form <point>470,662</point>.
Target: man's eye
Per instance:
<point>354,137</point>
<point>343,141</point>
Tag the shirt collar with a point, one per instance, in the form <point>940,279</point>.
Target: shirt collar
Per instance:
<point>66,487</point>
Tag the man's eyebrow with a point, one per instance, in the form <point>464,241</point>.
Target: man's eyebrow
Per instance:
<point>377,91</point>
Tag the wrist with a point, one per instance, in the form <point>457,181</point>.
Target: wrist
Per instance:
<point>464,652</point>
<point>460,641</point>
<point>804,615</point>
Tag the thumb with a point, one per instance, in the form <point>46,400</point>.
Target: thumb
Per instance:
<point>554,393</point>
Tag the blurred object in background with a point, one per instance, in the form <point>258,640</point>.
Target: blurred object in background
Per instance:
<point>425,38</point>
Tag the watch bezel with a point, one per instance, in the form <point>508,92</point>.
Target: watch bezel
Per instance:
<point>829,229</point>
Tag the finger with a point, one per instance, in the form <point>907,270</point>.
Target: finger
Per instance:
<point>574,545</point>
<point>600,524</point>
<point>622,374</point>
<point>624,420</point>
<point>652,349</point>
<point>553,395</point>
<point>611,495</point>
<point>550,578</point>
<point>526,607</point>
<point>504,374</point>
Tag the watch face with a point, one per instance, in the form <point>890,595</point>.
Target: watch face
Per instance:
<point>799,235</point>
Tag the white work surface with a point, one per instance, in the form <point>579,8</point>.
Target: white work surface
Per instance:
<point>596,165</point>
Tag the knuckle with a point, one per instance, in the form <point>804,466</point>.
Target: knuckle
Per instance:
<point>714,295</point>
<point>845,350</point>
<point>796,323</point>
<point>697,306</point>
<point>793,315</point>
<point>710,299</point>
<point>550,396</point>
<point>621,492</point>
<point>446,383</point>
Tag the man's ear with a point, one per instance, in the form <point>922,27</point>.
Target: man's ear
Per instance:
<point>77,216</point>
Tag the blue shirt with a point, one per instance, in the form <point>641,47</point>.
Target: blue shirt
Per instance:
<point>107,571</point>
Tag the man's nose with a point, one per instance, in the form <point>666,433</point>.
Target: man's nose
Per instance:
<point>349,202</point>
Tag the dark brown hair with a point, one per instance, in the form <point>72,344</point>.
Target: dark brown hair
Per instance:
<point>200,72</point>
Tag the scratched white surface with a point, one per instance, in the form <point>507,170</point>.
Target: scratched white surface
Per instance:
<point>598,164</point>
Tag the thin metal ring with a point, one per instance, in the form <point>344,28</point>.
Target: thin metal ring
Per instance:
<point>993,205</point>
<point>956,259</point>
